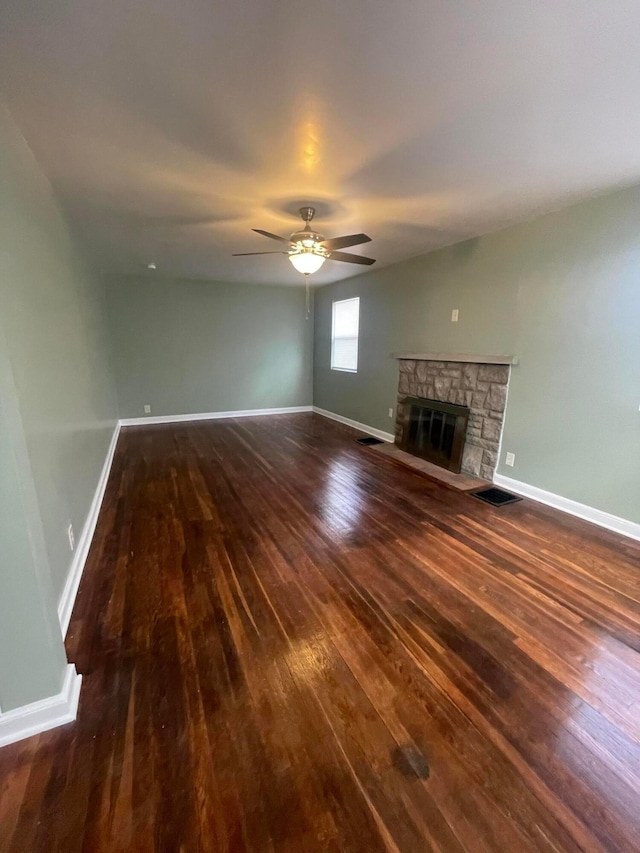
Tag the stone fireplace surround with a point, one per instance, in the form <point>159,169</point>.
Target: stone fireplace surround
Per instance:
<point>479,382</point>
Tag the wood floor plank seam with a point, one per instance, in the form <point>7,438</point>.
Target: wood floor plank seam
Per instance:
<point>280,630</point>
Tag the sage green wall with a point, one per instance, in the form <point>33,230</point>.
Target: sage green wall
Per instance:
<point>32,656</point>
<point>562,293</point>
<point>202,346</point>
<point>59,412</point>
<point>55,325</point>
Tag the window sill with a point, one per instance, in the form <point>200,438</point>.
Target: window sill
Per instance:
<point>345,369</point>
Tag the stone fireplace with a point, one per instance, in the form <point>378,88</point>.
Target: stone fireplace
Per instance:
<point>477,382</point>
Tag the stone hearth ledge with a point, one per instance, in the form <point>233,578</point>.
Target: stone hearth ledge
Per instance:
<point>455,356</point>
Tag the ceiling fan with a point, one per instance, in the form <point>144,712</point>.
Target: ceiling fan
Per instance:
<point>308,250</point>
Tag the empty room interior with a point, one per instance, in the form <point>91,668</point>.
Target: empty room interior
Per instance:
<point>319,426</point>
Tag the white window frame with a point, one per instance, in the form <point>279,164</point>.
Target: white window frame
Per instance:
<point>333,338</point>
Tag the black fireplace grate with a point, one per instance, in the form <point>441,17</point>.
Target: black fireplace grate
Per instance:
<point>435,431</point>
<point>495,497</point>
<point>369,441</point>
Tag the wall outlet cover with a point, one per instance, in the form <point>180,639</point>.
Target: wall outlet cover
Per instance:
<point>454,315</point>
<point>390,411</point>
<point>147,409</point>
<point>510,459</point>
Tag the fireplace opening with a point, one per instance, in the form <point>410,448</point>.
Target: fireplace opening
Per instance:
<point>435,431</point>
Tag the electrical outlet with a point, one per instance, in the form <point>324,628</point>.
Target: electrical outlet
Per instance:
<point>71,536</point>
<point>390,411</point>
<point>454,315</point>
<point>510,459</point>
<point>147,409</point>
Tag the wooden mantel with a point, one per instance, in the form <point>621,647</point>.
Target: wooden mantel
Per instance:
<point>455,356</point>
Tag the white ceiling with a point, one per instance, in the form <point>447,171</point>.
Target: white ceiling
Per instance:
<point>169,128</point>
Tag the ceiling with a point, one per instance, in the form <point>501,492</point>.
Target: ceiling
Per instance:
<point>170,128</point>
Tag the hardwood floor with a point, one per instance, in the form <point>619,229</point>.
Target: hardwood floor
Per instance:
<point>291,643</point>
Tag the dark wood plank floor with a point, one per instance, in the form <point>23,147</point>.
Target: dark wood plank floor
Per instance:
<point>292,644</point>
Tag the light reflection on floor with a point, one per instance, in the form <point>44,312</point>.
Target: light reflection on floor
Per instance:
<point>342,500</point>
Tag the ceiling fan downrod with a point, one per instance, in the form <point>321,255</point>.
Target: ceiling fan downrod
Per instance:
<point>307,214</point>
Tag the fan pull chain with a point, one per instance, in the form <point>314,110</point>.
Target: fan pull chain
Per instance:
<point>306,281</point>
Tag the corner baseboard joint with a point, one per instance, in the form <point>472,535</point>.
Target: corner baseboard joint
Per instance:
<point>377,433</point>
<point>45,714</point>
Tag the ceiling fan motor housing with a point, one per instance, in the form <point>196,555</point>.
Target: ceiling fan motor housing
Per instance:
<point>306,237</point>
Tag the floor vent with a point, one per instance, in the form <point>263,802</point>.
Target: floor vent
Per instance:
<point>496,497</point>
<point>369,441</point>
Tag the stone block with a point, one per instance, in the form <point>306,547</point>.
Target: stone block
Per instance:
<point>497,398</point>
<point>494,373</point>
<point>408,384</point>
<point>469,377</point>
<point>422,390</point>
<point>478,400</point>
<point>407,365</point>
<point>451,372</point>
<point>472,459</point>
<point>421,371</point>
<point>486,444</point>
<point>490,457</point>
<point>442,386</point>
<point>486,472</point>
<point>491,429</point>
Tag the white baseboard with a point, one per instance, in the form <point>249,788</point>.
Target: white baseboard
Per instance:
<point>378,433</point>
<point>45,714</point>
<point>211,416</point>
<point>588,513</point>
<point>68,597</point>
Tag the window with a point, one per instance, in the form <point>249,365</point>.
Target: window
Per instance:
<point>344,335</point>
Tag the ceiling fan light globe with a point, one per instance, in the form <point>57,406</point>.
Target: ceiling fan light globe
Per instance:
<point>307,262</point>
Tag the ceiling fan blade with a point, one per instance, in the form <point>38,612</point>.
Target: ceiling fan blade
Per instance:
<point>273,236</point>
<point>244,254</point>
<point>348,258</point>
<point>343,242</point>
